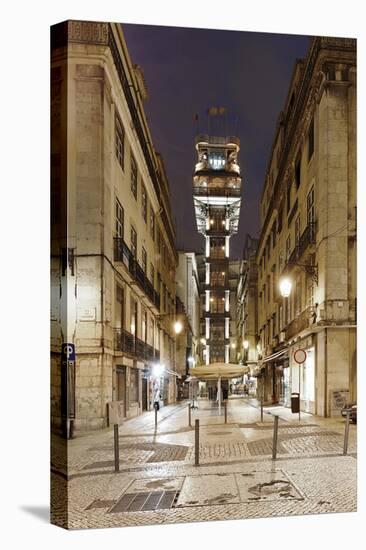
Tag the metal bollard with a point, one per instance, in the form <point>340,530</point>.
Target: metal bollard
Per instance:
<point>262,408</point>
<point>225,409</point>
<point>156,418</point>
<point>71,433</point>
<point>275,435</point>
<point>346,433</point>
<point>116,448</point>
<point>189,415</point>
<point>197,442</point>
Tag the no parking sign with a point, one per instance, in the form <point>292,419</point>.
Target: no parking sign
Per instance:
<point>300,356</point>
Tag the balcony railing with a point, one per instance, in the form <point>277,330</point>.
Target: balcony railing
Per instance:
<point>300,323</point>
<point>130,344</point>
<point>307,238</point>
<point>217,191</point>
<point>123,254</point>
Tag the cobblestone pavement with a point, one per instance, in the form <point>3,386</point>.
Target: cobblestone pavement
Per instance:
<point>237,478</point>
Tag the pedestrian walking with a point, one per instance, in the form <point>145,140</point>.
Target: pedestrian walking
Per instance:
<point>157,398</point>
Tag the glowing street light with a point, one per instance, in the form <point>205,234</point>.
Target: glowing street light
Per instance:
<point>245,344</point>
<point>285,287</point>
<point>203,341</point>
<point>157,370</point>
<point>178,327</point>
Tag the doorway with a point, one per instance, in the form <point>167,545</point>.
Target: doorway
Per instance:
<point>121,387</point>
<point>144,394</point>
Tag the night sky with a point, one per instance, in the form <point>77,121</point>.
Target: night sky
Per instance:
<point>189,70</point>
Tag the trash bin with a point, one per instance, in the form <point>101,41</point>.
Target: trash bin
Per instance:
<point>295,402</point>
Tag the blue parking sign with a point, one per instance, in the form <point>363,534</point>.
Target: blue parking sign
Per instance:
<point>68,352</point>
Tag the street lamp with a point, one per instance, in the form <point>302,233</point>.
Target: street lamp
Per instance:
<point>178,327</point>
<point>285,287</point>
<point>245,344</point>
<point>157,370</point>
<point>203,341</point>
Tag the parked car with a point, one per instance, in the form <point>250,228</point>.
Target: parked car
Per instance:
<point>352,407</point>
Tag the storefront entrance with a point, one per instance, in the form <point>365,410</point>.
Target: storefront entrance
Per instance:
<point>121,386</point>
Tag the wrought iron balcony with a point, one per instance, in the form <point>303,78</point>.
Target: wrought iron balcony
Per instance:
<point>307,238</point>
<point>303,321</point>
<point>123,254</point>
<point>131,345</point>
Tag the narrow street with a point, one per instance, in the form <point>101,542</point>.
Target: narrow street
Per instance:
<point>215,263</point>
<point>237,478</point>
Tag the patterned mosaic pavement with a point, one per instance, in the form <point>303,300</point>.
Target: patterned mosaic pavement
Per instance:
<point>236,478</point>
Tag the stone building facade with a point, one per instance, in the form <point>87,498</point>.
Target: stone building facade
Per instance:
<point>113,244</point>
<point>247,306</point>
<point>188,311</point>
<point>308,234</point>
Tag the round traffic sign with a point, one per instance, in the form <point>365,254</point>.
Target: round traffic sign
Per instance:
<point>300,356</point>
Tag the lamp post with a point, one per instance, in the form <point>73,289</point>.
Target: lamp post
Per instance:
<point>285,289</point>
<point>246,348</point>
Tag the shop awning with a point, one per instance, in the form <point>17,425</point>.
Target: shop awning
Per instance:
<point>274,355</point>
<point>216,370</point>
<point>173,373</point>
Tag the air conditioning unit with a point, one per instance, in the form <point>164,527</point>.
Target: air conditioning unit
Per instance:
<point>282,337</point>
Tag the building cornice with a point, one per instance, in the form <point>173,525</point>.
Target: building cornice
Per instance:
<point>102,34</point>
<point>322,50</point>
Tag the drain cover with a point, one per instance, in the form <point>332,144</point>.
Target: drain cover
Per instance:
<point>142,502</point>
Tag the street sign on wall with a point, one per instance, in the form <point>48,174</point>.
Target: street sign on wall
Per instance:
<point>300,356</point>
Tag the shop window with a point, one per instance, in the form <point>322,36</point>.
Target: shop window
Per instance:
<point>121,384</point>
<point>134,385</point>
